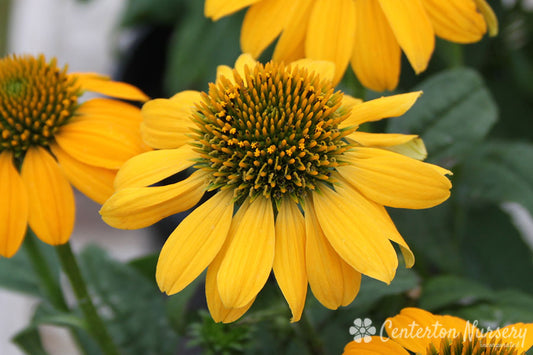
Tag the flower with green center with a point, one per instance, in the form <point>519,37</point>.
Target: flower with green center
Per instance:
<point>297,189</point>
<point>369,34</point>
<point>421,332</point>
<point>48,140</point>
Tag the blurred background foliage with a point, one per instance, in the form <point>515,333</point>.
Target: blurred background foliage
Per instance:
<point>473,254</point>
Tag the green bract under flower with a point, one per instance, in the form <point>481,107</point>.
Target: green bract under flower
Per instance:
<point>271,132</point>
<point>36,98</point>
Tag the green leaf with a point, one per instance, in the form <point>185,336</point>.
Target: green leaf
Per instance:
<point>142,12</point>
<point>448,290</point>
<point>452,116</point>
<point>16,274</point>
<point>130,303</point>
<point>493,250</point>
<point>430,235</point>
<point>29,341</point>
<point>198,46</point>
<point>499,172</point>
<point>372,291</point>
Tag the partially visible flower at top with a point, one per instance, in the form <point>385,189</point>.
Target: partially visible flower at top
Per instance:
<point>369,34</point>
<point>48,140</point>
<point>279,146</point>
<point>421,332</point>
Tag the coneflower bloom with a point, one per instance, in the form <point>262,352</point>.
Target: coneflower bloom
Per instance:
<point>421,332</point>
<point>369,34</point>
<point>48,141</point>
<point>297,189</point>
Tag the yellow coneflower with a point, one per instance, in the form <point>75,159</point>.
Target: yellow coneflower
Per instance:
<point>298,190</point>
<point>48,140</point>
<point>369,34</point>
<point>421,332</point>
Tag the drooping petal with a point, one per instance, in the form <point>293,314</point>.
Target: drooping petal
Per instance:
<point>456,20</point>
<point>355,229</point>
<point>333,282</point>
<point>219,312</point>
<point>330,33</point>
<point>14,207</point>
<point>289,258</point>
<point>377,345</point>
<point>215,9</point>
<point>378,109</point>
<point>51,200</point>
<point>92,181</point>
<point>412,29</point>
<point>249,257</point>
<point>262,23</point>
<point>98,142</point>
<point>348,102</point>
<point>414,148</point>
<point>406,144</point>
<point>151,167</point>
<point>168,121</point>
<point>376,53</point>
<point>489,15</point>
<point>139,207</point>
<point>194,243</point>
<point>394,180</point>
<point>291,43</point>
<point>325,69</point>
<point>103,85</point>
<point>380,139</point>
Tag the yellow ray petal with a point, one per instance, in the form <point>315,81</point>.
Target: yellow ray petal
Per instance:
<point>355,229</point>
<point>97,142</point>
<point>51,201</point>
<point>377,345</point>
<point>325,69</point>
<point>14,207</point>
<point>248,260</point>
<point>348,102</point>
<point>219,312</point>
<point>289,258</point>
<point>333,282</point>
<point>139,207</point>
<point>194,243</point>
<point>168,121</point>
<point>519,335</point>
<point>215,9</point>
<point>110,108</point>
<point>456,20</point>
<point>151,167</point>
<point>103,85</point>
<point>394,180</point>
<point>92,181</point>
<point>384,107</point>
<point>330,33</point>
<point>400,326</point>
<point>376,53</point>
<point>262,23</point>
<point>412,29</point>
<point>291,43</point>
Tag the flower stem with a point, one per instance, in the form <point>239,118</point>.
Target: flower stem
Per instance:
<point>310,336</point>
<point>96,325</point>
<point>48,283</point>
